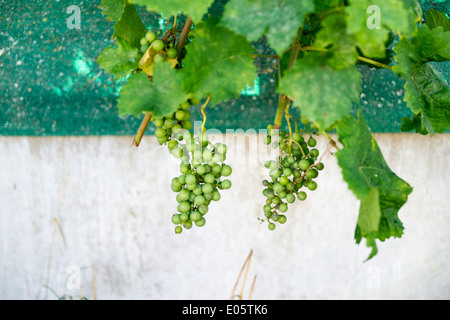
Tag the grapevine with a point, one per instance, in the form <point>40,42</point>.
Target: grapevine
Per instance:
<point>317,50</point>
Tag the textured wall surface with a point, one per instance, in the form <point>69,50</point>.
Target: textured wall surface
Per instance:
<point>96,210</point>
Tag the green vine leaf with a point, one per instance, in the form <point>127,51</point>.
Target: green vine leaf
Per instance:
<point>323,95</point>
<point>195,9</point>
<point>343,46</point>
<point>119,61</point>
<point>427,93</point>
<point>161,97</point>
<point>113,9</point>
<point>130,27</point>
<point>278,20</point>
<point>435,19</point>
<point>381,191</point>
<point>394,16</point>
<point>218,63</point>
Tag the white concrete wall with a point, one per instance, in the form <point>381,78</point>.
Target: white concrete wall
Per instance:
<point>114,203</point>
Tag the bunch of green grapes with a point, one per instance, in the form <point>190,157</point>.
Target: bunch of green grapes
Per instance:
<point>168,128</point>
<point>164,46</point>
<point>292,173</point>
<point>199,184</point>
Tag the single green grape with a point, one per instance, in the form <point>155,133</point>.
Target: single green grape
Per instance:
<point>195,216</point>
<point>314,153</point>
<point>312,142</point>
<point>158,123</point>
<point>176,218</point>
<point>312,174</point>
<point>290,198</point>
<point>179,115</point>
<point>311,185</point>
<point>150,36</point>
<point>226,171</point>
<point>209,178</point>
<point>302,196</point>
<point>144,41</point>
<point>304,164</point>
<point>159,58</point>
<point>225,184</point>
<point>272,226</point>
<point>200,223</point>
<point>178,229</point>
<point>160,133</point>
<point>283,207</point>
<point>184,207</point>
<point>172,53</point>
<point>158,45</point>
<point>191,179</point>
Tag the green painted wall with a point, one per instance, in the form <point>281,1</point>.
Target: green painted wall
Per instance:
<point>51,85</point>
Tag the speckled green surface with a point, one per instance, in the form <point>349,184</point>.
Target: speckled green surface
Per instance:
<point>51,85</point>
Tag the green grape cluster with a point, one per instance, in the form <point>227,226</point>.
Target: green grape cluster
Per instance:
<point>292,173</point>
<point>165,46</point>
<point>169,128</point>
<point>202,169</point>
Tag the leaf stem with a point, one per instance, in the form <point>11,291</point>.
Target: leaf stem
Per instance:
<point>142,128</point>
<point>184,34</point>
<point>363,59</point>
<point>283,100</point>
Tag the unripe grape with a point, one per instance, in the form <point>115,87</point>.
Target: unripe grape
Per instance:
<point>158,45</point>
<point>283,207</point>
<point>172,53</point>
<point>178,229</point>
<point>200,223</point>
<point>184,207</point>
<point>209,178</point>
<point>176,219</point>
<point>312,185</point>
<point>187,125</point>
<point>159,123</point>
<point>225,184</point>
<point>290,198</point>
<point>172,144</point>
<point>191,179</point>
<point>272,226</point>
<point>312,174</point>
<point>282,219</point>
<point>144,48</point>
<point>304,164</point>
<point>184,217</point>
<point>179,115</point>
<point>226,170</point>
<point>203,209</point>
<point>207,188</point>
<point>185,106</point>
<point>150,36</point>
<point>144,41</point>
<point>160,133</point>
<point>187,224</point>
<point>312,142</point>
<point>195,216</point>
<point>216,196</point>
<point>159,58</point>
<point>320,166</point>
<point>302,196</point>
<point>314,153</point>
<point>220,148</point>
